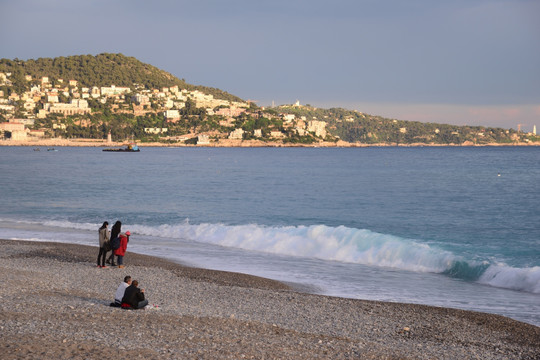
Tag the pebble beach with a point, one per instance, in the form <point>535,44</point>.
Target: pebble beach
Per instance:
<point>54,304</point>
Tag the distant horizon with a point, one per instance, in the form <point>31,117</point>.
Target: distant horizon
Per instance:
<point>462,63</point>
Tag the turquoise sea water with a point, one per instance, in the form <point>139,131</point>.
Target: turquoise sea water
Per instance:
<point>456,227</point>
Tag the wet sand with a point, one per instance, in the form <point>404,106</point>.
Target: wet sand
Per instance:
<point>54,304</point>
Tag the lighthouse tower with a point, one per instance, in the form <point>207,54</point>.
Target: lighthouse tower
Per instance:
<point>534,130</point>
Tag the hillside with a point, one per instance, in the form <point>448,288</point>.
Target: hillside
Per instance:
<point>100,70</point>
<point>353,126</point>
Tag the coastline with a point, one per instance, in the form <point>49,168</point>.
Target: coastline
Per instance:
<point>55,305</point>
<point>235,143</point>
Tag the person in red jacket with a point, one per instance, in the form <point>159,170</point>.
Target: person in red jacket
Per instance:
<point>121,251</point>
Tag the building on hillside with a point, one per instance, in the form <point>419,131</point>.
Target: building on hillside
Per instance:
<point>230,112</point>
<point>317,127</point>
<point>237,134</point>
<point>277,134</point>
<point>26,122</point>
<point>168,104</point>
<point>257,132</point>
<point>171,115</point>
<point>7,108</point>
<point>12,130</point>
<point>155,130</point>
<point>141,99</point>
<point>203,139</point>
<point>288,117</point>
<point>19,135</point>
<point>76,107</point>
<point>12,126</point>
<point>113,90</point>
<point>42,113</point>
<point>29,104</point>
<point>52,97</point>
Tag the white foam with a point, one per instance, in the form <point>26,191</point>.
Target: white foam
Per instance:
<point>319,241</point>
<point>522,279</point>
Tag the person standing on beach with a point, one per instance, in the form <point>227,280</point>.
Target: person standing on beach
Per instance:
<point>115,231</point>
<point>103,244</point>
<point>134,297</point>
<point>121,251</point>
<point>119,295</point>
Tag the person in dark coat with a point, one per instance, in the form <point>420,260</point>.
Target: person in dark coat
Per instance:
<point>134,297</point>
<point>103,244</point>
<point>115,231</point>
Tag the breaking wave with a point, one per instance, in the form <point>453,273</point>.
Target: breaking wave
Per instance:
<point>351,245</point>
<point>343,244</point>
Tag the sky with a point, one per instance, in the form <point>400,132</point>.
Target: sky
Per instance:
<point>462,62</point>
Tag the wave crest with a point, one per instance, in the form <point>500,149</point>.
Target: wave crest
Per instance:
<point>343,244</point>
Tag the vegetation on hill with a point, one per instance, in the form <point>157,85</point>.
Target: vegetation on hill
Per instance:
<point>354,126</point>
<point>100,70</point>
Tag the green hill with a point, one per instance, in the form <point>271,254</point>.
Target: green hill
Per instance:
<point>356,127</point>
<point>100,70</point>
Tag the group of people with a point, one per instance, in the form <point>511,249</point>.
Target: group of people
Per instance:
<point>129,295</point>
<point>115,241</point>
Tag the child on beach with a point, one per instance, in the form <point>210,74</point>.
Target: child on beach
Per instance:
<point>103,244</point>
<point>121,251</point>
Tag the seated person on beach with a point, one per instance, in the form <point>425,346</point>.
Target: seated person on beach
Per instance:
<point>134,297</point>
<point>120,291</point>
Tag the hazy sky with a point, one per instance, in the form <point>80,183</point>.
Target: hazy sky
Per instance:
<point>473,62</point>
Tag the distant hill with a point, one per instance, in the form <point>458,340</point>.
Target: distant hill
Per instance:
<point>100,70</point>
<point>356,127</point>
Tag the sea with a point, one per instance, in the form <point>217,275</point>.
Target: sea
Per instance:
<point>454,227</point>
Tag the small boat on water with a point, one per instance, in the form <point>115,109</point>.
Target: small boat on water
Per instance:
<point>51,149</point>
<point>128,148</point>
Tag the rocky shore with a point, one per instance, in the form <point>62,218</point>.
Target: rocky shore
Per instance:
<point>54,304</point>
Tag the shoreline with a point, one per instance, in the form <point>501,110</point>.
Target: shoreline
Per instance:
<point>239,144</point>
<point>55,300</point>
